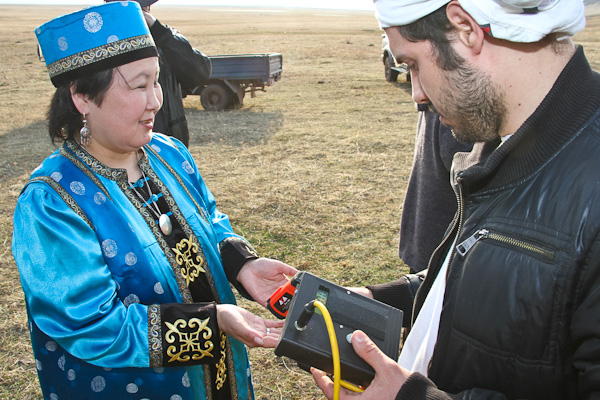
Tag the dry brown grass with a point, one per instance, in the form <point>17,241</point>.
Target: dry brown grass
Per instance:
<point>313,171</point>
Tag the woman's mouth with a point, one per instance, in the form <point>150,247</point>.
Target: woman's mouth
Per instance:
<point>149,123</point>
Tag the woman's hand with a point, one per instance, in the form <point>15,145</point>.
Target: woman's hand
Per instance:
<point>263,276</point>
<point>248,328</point>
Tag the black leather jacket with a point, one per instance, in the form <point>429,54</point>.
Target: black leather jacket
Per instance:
<point>521,315</point>
<point>180,66</point>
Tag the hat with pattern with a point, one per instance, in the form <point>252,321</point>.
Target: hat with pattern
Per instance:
<point>524,21</point>
<point>94,39</point>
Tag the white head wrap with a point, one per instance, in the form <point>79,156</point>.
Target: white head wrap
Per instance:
<point>514,20</point>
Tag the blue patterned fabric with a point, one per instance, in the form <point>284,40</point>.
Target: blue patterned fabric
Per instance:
<point>94,39</point>
<point>90,28</point>
<point>91,266</point>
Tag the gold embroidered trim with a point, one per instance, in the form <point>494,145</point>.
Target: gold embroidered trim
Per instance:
<point>202,210</point>
<point>151,222</point>
<point>191,266</point>
<point>67,198</point>
<point>237,239</point>
<point>95,166</point>
<point>166,249</point>
<point>182,221</point>
<point>99,53</point>
<point>252,251</point>
<point>189,342</point>
<point>232,373</point>
<point>207,380</point>
<point>86,163</point>
<point>222,366</point>
<point>154,336</point>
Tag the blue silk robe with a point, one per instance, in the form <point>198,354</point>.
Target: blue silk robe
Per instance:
<point>108,301</point>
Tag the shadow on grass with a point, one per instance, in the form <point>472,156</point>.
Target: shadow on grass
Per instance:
<point>23,149</point>
<point>232,127</point>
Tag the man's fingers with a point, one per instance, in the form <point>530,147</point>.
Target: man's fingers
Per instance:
<point>367,350</point>
<point>323,382</point>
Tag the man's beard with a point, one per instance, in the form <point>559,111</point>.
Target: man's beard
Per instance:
<point>471,105</point>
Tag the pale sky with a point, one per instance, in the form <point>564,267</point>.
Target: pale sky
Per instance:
<point>334,4</point>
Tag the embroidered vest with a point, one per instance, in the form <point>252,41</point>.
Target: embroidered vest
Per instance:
<point>72,173</point>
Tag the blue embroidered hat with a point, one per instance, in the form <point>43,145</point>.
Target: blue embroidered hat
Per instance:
<point>94,39</point>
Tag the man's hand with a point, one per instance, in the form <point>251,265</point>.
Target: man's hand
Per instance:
<point>262,276</point>
<point>389,376</point>
<point>362,291</point>
<point>150,20</point>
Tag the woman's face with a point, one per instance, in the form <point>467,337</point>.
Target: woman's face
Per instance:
<point>123,122</point>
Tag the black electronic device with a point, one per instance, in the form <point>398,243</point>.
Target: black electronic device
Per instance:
<point>307,340</point>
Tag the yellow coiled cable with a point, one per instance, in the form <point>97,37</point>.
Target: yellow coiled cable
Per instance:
<point>335,354</point>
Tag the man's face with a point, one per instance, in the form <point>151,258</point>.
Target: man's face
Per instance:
<point>466,98</point>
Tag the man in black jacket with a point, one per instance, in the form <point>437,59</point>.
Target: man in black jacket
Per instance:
<point>180,66</point>
<point>510,306</point>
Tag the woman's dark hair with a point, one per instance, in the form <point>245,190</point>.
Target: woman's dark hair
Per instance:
<point>436,28</point>
<point>64,121</point>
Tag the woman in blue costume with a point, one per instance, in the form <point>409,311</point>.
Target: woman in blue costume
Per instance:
<point>125,261</point>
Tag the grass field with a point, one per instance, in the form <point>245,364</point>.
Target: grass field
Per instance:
<point>312,172</point>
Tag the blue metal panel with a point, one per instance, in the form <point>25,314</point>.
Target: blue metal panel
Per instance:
<point>246,66</point>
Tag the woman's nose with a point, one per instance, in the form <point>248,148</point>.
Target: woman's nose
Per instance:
<point>155,100</point>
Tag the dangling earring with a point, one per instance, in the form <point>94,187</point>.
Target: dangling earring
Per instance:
<point>85,133</point>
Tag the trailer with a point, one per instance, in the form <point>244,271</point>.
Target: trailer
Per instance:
<point>232,76</point>
<point>391,69</point>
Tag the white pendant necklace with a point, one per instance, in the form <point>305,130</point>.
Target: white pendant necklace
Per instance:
<point>164,221</point>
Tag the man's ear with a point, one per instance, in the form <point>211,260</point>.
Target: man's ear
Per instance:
<point>468,30</point>
<point>80,100</point>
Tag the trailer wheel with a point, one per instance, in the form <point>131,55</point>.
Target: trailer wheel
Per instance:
<point>215,97</point>
<point>390,74</point>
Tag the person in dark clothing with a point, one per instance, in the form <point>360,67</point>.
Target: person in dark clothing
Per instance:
<point>180,66</point>
<point>429,203</point>
<point>510,303</point>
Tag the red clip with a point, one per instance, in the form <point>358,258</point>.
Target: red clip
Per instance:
<point>280,300</point>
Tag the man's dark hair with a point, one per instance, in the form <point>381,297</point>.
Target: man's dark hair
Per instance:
<point>436,28</point>
<point>64,120</point>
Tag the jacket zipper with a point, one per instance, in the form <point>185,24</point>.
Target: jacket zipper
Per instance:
<point>464,247</point>
<point>458,191</point>
<point>457,225</point>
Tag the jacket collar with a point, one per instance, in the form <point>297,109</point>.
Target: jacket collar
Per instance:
<point>572,101</point>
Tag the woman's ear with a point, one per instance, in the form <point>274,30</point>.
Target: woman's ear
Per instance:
<point>80,100</point>
<point>468,30</point>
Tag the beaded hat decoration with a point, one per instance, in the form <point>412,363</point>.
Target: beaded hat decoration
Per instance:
<point>94,39</point>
